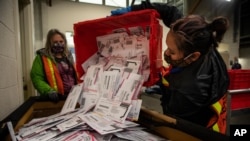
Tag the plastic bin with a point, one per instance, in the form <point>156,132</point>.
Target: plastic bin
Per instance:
<point>239,79</point>
<point>240,101</point>
<point>85,34</point>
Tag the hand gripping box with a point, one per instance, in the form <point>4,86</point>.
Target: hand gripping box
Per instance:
<point>86,33</point>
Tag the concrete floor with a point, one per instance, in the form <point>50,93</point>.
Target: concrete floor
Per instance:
<point>152,102</point>
<point>240,117</point>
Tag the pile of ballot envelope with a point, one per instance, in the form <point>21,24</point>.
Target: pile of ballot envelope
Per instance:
<point>108,98</point>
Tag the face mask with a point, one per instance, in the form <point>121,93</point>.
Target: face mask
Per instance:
<point>177,63</point>
<point>57,48</point>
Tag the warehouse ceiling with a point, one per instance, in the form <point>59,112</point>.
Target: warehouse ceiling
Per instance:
<point>121,3</point>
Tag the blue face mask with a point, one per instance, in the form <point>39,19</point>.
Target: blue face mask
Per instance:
<point>57,48</point>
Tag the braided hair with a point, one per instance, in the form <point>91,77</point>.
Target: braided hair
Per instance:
<point>194,33</point>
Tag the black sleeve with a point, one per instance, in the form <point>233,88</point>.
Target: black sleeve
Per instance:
<point>168,14</point>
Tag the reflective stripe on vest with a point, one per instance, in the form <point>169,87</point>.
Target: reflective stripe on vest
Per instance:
<point>218,121</point>
<point>52,74</point>
<point>54,85</point>
<point>164,82</point>
<point>216,127</point>
<point>217,107</point>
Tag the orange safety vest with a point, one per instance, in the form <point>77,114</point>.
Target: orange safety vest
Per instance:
<point>53,75</point>
<point>218,121</point>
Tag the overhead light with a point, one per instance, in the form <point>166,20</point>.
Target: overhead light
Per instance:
<point>228,0</point>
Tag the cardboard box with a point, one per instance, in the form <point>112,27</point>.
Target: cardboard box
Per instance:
<point>165,126</point>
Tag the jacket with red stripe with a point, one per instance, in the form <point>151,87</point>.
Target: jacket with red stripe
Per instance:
<point>42,73</point>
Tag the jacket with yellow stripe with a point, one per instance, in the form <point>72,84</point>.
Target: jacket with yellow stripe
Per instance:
<point>195,92</point>
<point>41,80</point>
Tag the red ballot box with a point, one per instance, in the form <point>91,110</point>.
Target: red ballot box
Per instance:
<point>85,34</point>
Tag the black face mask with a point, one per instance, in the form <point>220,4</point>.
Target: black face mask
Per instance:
<point>177,63</point>
<point>57,48</point>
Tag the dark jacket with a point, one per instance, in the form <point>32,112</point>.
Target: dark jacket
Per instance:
<point>192,89</point>
<point>168,14</point>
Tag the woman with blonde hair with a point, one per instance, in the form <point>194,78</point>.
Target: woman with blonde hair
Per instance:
<point>53,73</point>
